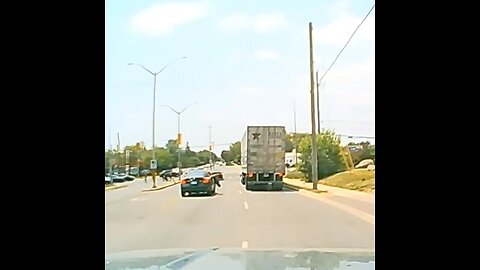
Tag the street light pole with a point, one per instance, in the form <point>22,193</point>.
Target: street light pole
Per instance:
<point>179,113</point>
<point>210,146</point>
<point>154,93</point>
<point>153,122</point>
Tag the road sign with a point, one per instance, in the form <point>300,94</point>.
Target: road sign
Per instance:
<point>153,164</point>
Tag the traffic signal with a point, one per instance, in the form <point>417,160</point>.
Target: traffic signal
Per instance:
<point>179,139</point>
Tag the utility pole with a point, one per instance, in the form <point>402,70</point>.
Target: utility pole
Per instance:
<point>179,142</point>
<point>119,164</point>
<point>109,139</point>
<point>318,102</point>
<point>210,146</point>
<point>110,152</point>
<point>312,110</point>
<point>118,140</point>
<point>295,132</point>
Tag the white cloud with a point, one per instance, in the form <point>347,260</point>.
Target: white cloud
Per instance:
<point>235,22</point>
<point>353,75</point>
<point>337,32</point>
<point>268,22</point>
<point>251,90</point>
<point>258,23</point>
<point>162,19</point>
<point>265,55</point>
<point>338,8</point>
<point>349,92</point>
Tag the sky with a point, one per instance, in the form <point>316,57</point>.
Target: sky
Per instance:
<point>247,63</point>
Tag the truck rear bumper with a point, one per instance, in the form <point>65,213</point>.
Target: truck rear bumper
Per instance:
<point>264,185</point>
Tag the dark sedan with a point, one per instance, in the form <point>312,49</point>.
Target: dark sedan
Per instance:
<point>197,182</point>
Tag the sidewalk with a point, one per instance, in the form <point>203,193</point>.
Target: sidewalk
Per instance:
<point>352,194</point>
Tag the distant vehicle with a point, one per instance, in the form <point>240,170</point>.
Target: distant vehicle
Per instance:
<point>197,182</point>
<point>263,157</point>
<point>168,174</point>
<point>108,180</point>
<point>134,171</point>
<point>145,172</point>
<point>119,178</point>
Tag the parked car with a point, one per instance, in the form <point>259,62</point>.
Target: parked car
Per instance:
<point>197,182</point>
<point>145,172</point>
<point>108,180</point>
<point>168,174</point>
<point>121,177</point>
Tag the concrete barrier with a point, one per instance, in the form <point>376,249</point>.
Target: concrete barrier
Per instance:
<point>160,187</point>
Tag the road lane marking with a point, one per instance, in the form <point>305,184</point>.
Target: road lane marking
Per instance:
<point>239,192</point>
<point>138,199</point>
<point>244,244</point>
<point>246,205</point>
<point>360,214</point>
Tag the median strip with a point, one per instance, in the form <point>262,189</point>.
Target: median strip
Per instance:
<point>115,187</point>
<point>160,188</point>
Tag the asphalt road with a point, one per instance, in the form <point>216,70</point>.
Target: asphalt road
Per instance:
<point>233,218</point>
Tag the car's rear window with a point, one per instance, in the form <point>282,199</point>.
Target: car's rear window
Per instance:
<point>196,174</point>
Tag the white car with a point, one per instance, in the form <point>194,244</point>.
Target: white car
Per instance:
<point>108,180</point>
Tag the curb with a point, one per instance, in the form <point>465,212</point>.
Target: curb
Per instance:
<point>294,187</point>
<point>115,187</point>
<point>160,188</point>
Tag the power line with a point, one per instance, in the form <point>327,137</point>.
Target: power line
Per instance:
<point>347,42</point>
<point>206,146</point>
<point>357,137</point>
<point>348,122</point>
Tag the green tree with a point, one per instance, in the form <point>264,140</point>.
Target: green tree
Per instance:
<point>329,157</point>
<point>165,160</point>
<point>204,157</point>
<point>293,139</point>
<point>289,143</point>
<point>172,146</point>
<point>189,158</point>
<point>235,152</point>
<point>226,156</point>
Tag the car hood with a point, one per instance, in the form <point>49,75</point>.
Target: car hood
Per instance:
<point>243,259</point>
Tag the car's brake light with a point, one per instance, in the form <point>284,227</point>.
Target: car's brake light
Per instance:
<point>280,174</point>
<point>206,180</point>
<point>183,182</point>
